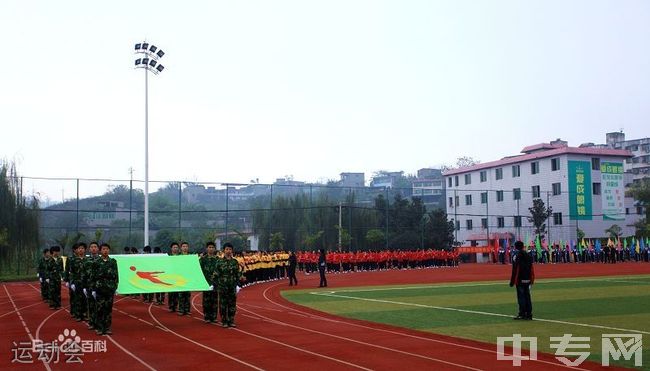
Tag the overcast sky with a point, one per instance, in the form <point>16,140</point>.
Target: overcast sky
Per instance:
<point>263,89</point>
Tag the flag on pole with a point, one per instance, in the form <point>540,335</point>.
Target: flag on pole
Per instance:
<point>159,273</point>
<point>598,246</point>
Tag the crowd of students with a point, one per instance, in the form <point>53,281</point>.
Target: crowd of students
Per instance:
<point>588,254</point>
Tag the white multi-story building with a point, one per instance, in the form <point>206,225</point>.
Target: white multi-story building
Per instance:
<point>639,163</point>
<point>583,186</point>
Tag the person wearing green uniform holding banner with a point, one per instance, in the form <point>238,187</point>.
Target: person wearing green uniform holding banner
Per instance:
<point>105,281</point>
<point>184,296</point>
<point>228,275</point>
<point>173,296</point>
<point>208,266</point>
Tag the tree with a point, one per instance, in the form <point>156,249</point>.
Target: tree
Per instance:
<point>538,216</point>
<point>19,223</point>
<point>640,191</point>
<point>464,161</point>
<point>375,238</point>
<point>614,231</point>
<point>314,241</point>
<point>277,241</point>
<point>98,235</point>
<point>580,233</point>
<point>439,231</point>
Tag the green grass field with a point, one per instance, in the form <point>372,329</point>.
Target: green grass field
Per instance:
<point>484,310</point>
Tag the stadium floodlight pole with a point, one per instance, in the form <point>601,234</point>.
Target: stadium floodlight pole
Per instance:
<point>149,55</point>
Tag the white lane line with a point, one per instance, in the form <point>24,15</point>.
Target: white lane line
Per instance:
<point>202,345</point>
<point>348,323</point>
<point>280,343</point>
<point>546,281</point>
<point>20,316</point>
<point>111,339</point>
<point>479,312</point>
<point>304,350</point>
<point>145,364</point>
<point>271,320</point>
<point>25,307</point>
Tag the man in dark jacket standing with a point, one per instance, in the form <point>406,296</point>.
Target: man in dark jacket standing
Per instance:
<point>523,276</point>
<point>291,270</point>
<point>322,265</point>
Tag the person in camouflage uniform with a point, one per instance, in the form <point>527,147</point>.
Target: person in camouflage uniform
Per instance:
<point>160,296</point>
<point>74,270</point>
<point>208,266</point>
<point>45,295</point>
<point>227,275</point>
<point>184,296</point>
<point>105,280</point>
<point>87,283</point>
<point>54,274</point>
<point>173,296</point>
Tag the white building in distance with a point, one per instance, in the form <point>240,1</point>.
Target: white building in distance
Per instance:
<point>584,186</point>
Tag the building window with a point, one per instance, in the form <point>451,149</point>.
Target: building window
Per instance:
<point>468,178</point>
<point>627,211</point>
<point>468,200</point>
<point>484,224</point>
<point>499,196</point>
<point>517,221</point>
<point>451,202</point>
<point>536,192</point>
<point>456,180</point>
<point>457,200</point>
<point>484,196</point>
<point>555,164</point>
<point>469,224</point>
<point>639,210</point>
<point>557,189</point>
<point>534,167</point>
<point>516,194</point>
<point>499,173</point>
<point>449,182</point>
<point>516,171</point>
<point>557,218</point>
<point>595,163</point>
<point>501,222</point>
<point>595,188</point>
<point>483,176</point>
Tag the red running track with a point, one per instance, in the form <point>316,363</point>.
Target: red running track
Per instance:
<point>272,333</point>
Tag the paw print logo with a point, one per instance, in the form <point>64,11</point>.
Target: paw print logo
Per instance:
<point>69,340</point>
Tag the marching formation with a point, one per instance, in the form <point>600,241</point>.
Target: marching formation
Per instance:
<point>91,280</point>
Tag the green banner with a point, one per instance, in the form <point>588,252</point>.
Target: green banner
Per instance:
<point>148,273</point>
<point>580,190</point>
<point>613,189</point>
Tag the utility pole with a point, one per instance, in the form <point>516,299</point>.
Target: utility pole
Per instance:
<point>340,226</point>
